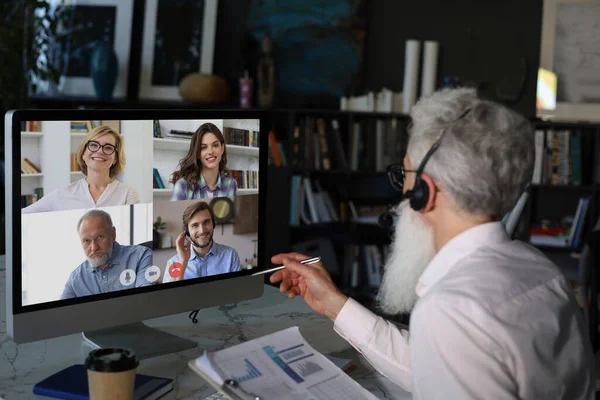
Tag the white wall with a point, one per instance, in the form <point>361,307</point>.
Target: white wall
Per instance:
<point>171,213</point>
<point>51,248</point>
<point>138,136</point>
<point>56,154</point>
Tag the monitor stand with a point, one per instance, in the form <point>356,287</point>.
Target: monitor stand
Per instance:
<point>147,342</point>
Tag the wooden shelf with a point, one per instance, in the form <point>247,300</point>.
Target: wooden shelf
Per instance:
<point>31,134</point>
<point>78,135</point>
<point>38,175</point>
<point>175,144</point>
<point>166,192</point>
<point>247,191</point>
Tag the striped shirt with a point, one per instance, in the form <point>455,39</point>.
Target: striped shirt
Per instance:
<point>226,186</point>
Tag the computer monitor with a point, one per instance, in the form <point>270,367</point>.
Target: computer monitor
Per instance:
<point>545,99</point>
<point>96,202</point>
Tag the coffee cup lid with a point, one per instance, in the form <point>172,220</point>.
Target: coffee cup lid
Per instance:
<point>111,360</point>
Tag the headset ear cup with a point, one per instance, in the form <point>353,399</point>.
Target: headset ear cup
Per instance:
<point>420,195</point>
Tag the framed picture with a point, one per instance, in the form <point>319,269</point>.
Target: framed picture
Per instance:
<point>570,48</point>
<point>179,39</point>
<point>94,21</point>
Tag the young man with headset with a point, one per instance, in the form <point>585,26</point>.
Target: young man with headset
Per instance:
<point>202,256</point>
<point>491,318</point>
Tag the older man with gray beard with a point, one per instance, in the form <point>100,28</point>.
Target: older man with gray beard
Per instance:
<point>109,266</point>
<point>490,318</point>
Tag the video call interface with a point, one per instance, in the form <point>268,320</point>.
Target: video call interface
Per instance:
<point>113,205</point>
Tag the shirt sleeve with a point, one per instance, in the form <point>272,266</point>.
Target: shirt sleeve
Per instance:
<point>453,358</point>
<point>179,190</point>
<point>45,204</point>
<point>382,343</point>
<point>144,263</point>
<point>233,187</point>
<point>68,292</point>
<point>133,196</point>
<point>235,261</point>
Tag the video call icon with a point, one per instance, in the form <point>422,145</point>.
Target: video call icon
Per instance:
<point>127,277</point>
<point>152,273</point>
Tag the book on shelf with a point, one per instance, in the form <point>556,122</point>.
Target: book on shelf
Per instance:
<point>157,180</point>
<point>28,167</point>
<point>74,163</point>
<point>245,179</point>
<point>560,237</point>
<point>558,157</point>
<point>29,199</point>
<point>281,365</point>
<point>241,137</point>
<point>156,130</point>
<point>81,126</point>
<point>31,126</point>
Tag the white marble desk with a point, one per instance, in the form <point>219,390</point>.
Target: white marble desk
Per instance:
<point>24,365</point>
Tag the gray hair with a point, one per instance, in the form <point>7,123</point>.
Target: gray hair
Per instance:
<point>95,213</point>
<point>485,159</point>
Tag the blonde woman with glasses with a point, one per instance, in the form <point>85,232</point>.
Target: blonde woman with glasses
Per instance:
<point>101,157</point>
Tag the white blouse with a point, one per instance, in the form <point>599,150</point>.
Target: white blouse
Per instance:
<point>77,196</point>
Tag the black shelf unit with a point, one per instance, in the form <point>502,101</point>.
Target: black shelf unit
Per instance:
<point>371,187</point>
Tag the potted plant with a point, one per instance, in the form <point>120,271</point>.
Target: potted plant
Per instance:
<point>158,226</point>
<point>31,46</point>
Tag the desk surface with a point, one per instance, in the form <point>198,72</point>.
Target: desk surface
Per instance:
<point>24,365</point>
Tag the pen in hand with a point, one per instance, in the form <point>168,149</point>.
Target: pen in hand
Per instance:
<point>306,262</point>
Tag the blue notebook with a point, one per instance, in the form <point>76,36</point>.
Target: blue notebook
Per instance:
<point>71,384</point>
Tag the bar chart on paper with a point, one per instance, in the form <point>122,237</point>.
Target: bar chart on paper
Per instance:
<point>251,373</point>
<point>284,366</point>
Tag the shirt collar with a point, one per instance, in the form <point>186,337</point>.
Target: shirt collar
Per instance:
<point>459,247</point>
<point>113,260</point>
<point>202,182</point>
<point>214,250</point>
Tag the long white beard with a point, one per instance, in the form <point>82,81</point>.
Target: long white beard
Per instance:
<point>411,250</point>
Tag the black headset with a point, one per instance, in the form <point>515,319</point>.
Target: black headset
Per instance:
<point>419,195</point>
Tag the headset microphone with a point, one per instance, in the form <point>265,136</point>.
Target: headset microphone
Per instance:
<point>386,219</point>
<point>187,234</point>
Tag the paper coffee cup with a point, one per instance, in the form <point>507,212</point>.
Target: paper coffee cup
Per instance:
<point>111,374</point>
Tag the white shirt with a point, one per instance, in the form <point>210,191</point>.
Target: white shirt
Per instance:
<point>77,196</point>
<point>495,319</point>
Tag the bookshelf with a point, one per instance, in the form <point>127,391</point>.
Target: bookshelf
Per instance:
<point>358,146</point>
<point>366,185</point>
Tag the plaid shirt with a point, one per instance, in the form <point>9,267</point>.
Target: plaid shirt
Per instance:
<point>226,186</point>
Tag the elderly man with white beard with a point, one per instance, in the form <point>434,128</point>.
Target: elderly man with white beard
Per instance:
<point>490,317</point>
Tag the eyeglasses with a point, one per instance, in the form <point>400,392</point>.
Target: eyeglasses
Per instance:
<point>396,175</point>
<point>107,149</point>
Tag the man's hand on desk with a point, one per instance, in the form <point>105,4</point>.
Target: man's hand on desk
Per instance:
<point>312,282</point>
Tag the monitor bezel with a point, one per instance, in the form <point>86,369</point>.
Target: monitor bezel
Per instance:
<point>13,189</point>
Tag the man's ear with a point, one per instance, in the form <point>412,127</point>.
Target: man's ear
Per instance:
<point>114,233</point>
<point>432,192</point>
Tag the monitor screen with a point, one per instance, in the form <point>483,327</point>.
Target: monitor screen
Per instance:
<point>112,208</point>
<point>546,90</point>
